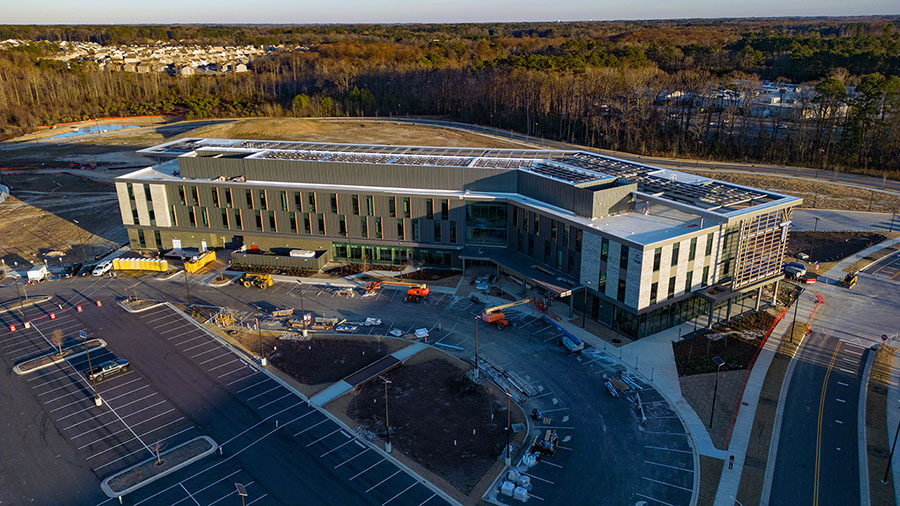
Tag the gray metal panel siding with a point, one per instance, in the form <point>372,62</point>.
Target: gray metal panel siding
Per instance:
<point>557,193</point>
<point>613,200</point>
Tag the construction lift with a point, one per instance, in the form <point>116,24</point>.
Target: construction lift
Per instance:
<point>495,315</point>
<point>415,293</point>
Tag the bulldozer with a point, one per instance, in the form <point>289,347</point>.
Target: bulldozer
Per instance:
<point>261,281</point>
<point>494,315</point>
<point>415,293</point>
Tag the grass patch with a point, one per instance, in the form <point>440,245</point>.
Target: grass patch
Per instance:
<point>877,442</point>
<point>710,473</point>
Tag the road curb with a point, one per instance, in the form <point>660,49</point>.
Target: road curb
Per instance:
<point>864,497</point>
<point>141,310</point>
<point>27,303</point>
<point>104,485</point>
<point>60,360</point>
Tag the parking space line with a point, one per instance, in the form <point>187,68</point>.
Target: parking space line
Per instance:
<point>201,336</point>
<point>323,437</point>
<point>194,347</point>
<point>668,449</point>
<point>82,400</point>
<point>253,385</point>
<point>653,499</point>
<point>669,466</point>
<point>276,400</point>
<point>141,449</point>
<point>311,427</point>
<point>276,387</point>
<point>400,493</point>
<point>254,373</point>
<point>351,458</point>
<point>227,352</point>
<point>123,443</point>
<point>667,484</point>
<point>223,365</point>
<point>426,500</point>
<point>366,469</point>
<point>165,315</point>
<point>144,409</point>
<point>373,487</point>
<point>95,417</point>
<point>268,418</point>
<point>338,447</point>
<point>257,499</point>
<point>205,352</point>
<point>232,372</point>
<point>189,330</point>
<point>189,494</point>
<point>229,494</point>
<point>90,407</point>
<point>45,374</point>
<point>111,434</point>
<point>221,479</point>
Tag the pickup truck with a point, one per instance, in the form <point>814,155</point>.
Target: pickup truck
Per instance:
<point>107,369</point>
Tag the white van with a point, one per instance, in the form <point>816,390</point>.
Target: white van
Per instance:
<point>102,268</point>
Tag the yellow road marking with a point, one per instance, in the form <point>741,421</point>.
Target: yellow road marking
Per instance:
<point>819,429</point>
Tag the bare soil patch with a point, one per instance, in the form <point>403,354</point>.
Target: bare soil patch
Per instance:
<point>433,405</point>
<point>43,360</point>
<point>736,342</point>
<point>831,246</point>
<point>324,361</point>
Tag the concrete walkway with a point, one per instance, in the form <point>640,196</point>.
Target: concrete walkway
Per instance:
<point>341,387</point>
<point>340,282</point>
<point>893,419</point>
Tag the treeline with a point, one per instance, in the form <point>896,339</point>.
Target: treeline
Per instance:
<point>591,83</point>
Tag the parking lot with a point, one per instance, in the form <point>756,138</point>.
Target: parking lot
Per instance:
<point>182,383</point>
<point>888,268</point>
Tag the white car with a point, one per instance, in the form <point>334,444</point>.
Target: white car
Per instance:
<point>372,322</point>
<point>102,268</point>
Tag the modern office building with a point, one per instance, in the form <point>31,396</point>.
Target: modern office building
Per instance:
<point>653,247</point>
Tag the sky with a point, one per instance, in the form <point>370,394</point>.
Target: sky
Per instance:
<point>414,11</point>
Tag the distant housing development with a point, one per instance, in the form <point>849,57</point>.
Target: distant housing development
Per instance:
<point>652,247</point>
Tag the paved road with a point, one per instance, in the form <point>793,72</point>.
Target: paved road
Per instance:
<point>840,221</point>
<point>821,411</point>
<point>818,459</point>
<point>888,268</point>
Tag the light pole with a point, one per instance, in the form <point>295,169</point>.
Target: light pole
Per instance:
<point>584,304</point>
<point>476,347</point>
<point>887,468</point>
<point>508,428</point>
<point>87,350</point>
<point>186,289</point>
<point>387,426</point>
<point>796,305</point>
<point>302,310</point>
<point>812,247</point>
<point>83,246</point>
<point>262,358</point>
<point>719,363</point>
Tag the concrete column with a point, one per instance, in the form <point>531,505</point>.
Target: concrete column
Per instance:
<point>728,311</point>
<point>464,267</point>
<point>712,310</point>
<point>775,294</point>
<point>571,305</point>
<point>758,297</point>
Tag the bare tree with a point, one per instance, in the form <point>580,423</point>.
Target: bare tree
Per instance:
<point>157,448</point>
<point>57,339</point>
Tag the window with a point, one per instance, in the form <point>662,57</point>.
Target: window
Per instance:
<point>134,216</point>
<point>604,249</point>
<point>258,217</point>
<point>520,242</point>
<point>654,288</point>
<point>406,208</point>
<point>578,240</point>
<point>307,224</point>
<point>546,252</point>
<point>204,216</point>
<point>445,209</point>
<point>248,193</point>
<point>671,287</point>
<point>400,234</point>
<point>675,249</point>
<point>415,232</point>
<point>192,216</point>
<point>157,238</point>
<point>150,197</point>
<point>293,219</point>
<point>620,295</point>
<point>262,200</point>
<point>657,256</point>
<point>537,224</point>
<point>705,280</point>
<point>570,267</point>
<point>228,197</point>
<point>453,231</point>
<point>554,230</point>
<point>692,253</point>
<point>525,216</point>
<point>364,226</point>
<point>298,201</point>
<point>565,237</point>
<point>379,233</point>
<point>195,194</point>
<point>225,218</point>
<point>688,281</point>
<point>370,204</point>
<point>320,218</point>
<point>180,195</point>
<point>342,225</point>
<point>515,217</point>
<point>215,195</point>
<point>311,199</point>
<point>283,200</point>
<point>709,244</point>
<point>238,219</point>
<point>429,209</point>
<point>131,190</point>
<point>173,216</point>
<point>559,258</point>
<point>623,258</point>
<point>437,231</point>
<point>601,281</point>
<point>141,242</point>
<point>332,198</point>
<point>392,206</point>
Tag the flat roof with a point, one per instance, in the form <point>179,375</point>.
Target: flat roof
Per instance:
<point>578,168</point>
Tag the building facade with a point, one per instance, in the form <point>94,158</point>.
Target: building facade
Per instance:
<point>644,248</point>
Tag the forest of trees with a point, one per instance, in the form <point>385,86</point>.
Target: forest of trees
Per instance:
<point>591,83</point>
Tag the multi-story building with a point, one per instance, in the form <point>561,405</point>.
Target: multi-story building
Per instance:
<point>652,247</point>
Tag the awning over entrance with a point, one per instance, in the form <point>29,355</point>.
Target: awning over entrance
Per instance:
<point>513,262</point>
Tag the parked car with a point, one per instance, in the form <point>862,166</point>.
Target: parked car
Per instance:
<point>346,328</point>
<point>372,322</point>
<point>102,268</point>
<point>481,283</point>
<point>71,270</point>
<point>107,369</point>
<point>396,333</point>
<point>86,269</point>
<point>795,269</point>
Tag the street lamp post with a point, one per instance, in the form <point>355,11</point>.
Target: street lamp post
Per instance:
<point>262,358</point>
<point>812,247</point>
<point>719,363</point>
<point>87,350</point>
<point>186,289</point>
<point>83,246</point>
<point>508,428</point>
<point>387,425</point>
<point>796,305</point>
<point>584,304</point>
<point>887,468</point>
<point>302,310</point>
<point>476,347</point>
